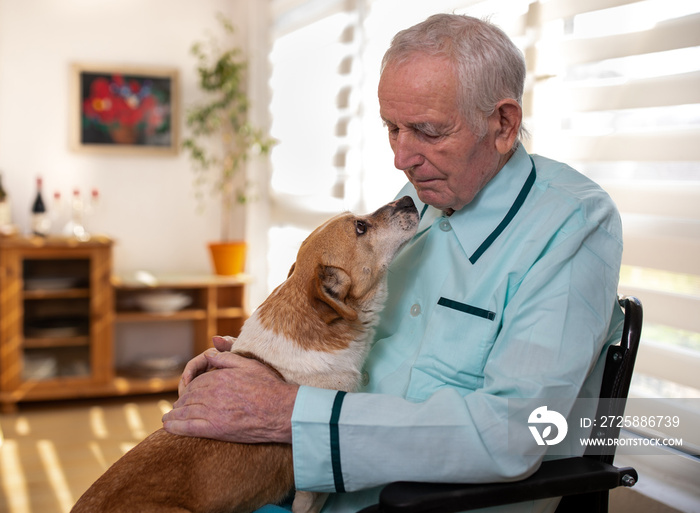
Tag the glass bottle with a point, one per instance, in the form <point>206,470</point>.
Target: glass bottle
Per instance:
<point>75,227</point>
<point>41,223</point>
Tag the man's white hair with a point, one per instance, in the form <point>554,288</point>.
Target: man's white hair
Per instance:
<point>488,66</point>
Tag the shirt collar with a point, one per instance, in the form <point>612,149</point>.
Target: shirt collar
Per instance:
<point>480,222</point>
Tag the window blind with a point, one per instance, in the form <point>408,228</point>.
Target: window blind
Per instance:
<point>314,78</point>
<point>617,95</point>
<point>314,83</point>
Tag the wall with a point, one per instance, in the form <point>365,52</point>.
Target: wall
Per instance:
<point>147,203</point>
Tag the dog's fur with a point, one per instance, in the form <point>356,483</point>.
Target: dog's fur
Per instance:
<point>315,329</point>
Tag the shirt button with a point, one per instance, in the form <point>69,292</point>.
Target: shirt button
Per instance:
<point>445,225</point>
<point>415,310</point>
<point>365,378</point>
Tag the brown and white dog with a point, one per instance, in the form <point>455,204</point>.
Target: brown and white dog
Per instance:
<point>315,329</point>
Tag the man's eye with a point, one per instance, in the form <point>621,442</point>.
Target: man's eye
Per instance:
<point>429,135</point>
<point>360,227</point>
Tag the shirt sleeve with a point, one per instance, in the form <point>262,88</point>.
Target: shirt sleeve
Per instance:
<point>554,329</point>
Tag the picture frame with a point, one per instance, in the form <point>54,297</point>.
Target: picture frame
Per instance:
<point>124,110</point>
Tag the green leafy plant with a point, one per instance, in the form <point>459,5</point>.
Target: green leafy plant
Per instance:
<point>222,140</point>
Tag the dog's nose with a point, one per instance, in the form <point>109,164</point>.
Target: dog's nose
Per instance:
<point>404,203</point>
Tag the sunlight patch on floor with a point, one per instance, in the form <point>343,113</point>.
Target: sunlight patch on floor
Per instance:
<point>14,483</point>
<point>54,472</point>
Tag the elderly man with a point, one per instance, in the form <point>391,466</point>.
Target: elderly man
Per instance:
<point>507,293</point>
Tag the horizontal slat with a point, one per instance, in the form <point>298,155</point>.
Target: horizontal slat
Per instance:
<point>688,428</point>
<point>662,146</point>
<point>675,364</point>
<point>654,92</point>
<point>305,212</point>
<point>658,243</point>
<point>515,27</point>
<point>291,15</point>
<point>675,310</point>
<point>556,9</point>
<point>671,35</point>
<point>656,197</point>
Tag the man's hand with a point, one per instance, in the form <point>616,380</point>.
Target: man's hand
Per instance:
<point>200,364</point>
<point>242,400</point>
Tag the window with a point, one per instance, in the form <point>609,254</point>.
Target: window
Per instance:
<point>315,81</point>
<point>613,88</point>
<point>617,95</point>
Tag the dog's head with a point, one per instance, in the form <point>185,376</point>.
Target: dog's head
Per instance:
<point>345,260</point>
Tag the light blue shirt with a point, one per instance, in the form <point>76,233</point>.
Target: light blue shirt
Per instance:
<point>513,296</point>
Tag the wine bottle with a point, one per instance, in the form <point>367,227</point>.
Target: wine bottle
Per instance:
<point>5,212</point>
<point>40,219</point>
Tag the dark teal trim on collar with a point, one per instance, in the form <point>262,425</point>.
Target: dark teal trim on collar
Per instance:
<point>509,216</point>
<point>425,207</point>
<point>335,443</point>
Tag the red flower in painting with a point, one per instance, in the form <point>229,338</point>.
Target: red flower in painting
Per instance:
<point>124,107</point>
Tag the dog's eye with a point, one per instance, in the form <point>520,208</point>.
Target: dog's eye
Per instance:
<point>360,227</point>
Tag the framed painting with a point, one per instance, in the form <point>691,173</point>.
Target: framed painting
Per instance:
<point>124,110</point>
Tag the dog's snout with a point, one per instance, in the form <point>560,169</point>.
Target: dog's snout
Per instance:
<point>405,203</point>
<point>403,211</point>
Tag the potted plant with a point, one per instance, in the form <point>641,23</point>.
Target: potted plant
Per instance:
<point>222,140</point>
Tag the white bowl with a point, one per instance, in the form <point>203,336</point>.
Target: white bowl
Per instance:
<point>163,302</point>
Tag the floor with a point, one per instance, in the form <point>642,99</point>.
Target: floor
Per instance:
<point>50,453</point>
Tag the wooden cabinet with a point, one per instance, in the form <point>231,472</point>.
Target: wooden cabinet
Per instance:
<point>60,305</point>
<point>55,318</point>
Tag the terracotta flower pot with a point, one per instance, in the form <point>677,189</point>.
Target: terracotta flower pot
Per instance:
<point>124,134</point>
<point>228,257</point>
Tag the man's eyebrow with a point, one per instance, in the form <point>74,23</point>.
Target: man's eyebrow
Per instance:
<point>425,127</point>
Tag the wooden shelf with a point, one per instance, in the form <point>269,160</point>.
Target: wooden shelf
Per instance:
<point>30,269</point>
<point>122,385</point>
<point>140,316</point>
<point>57,294</point>
<point>177,281</point>
<point>48,342</point>
<point>82,387</point>
<point>230,313</point>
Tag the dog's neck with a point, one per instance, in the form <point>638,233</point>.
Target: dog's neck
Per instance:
<point>304,349</point>
<point>252,356</point>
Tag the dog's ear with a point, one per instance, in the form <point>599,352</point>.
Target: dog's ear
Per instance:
<point>291,269</point>
<point>330,289</point>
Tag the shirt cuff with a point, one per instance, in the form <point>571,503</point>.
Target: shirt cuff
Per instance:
<point>311,439</point>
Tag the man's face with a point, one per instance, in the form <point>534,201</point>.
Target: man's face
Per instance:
<point>432,143</point>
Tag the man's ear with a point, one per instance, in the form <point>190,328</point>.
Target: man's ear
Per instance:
<point>508,117</point>
<point>329,291</point>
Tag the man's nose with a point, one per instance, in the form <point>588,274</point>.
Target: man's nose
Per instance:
<point>406,151</point>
